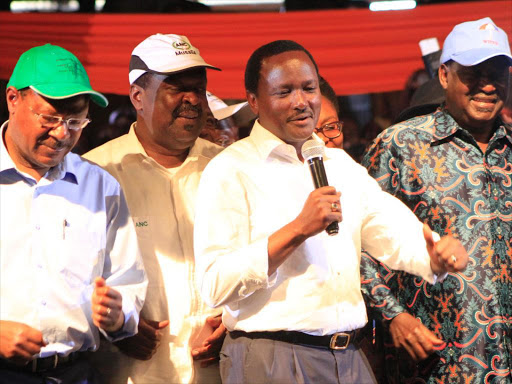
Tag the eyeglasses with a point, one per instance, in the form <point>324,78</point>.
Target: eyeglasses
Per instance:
<point>52,122</point>
<point>331,130</point>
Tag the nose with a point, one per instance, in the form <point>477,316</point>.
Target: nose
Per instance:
<point>300,100</point>
<point>192,97</point>
<point>61,132</point>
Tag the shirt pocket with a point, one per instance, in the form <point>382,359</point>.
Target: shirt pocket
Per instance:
<point>80,252</point>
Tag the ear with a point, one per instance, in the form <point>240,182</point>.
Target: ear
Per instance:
<point>443,75</point>
<point>136,94</point>
<point>253,102</point>
<point>13,97</point>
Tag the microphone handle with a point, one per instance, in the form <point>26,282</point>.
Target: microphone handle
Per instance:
<point>316,166</point>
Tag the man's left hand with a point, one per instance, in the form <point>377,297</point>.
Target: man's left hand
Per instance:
<point>208,352</point>
<point>107,307</point>
<point>447,255</point>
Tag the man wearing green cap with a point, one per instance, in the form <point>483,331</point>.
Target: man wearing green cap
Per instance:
<point>70,263</point>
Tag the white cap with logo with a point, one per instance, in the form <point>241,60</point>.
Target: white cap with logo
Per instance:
<point>474,42</point>
<point>165,54</point>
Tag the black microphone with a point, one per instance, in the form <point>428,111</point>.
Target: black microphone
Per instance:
<point>313,153</point>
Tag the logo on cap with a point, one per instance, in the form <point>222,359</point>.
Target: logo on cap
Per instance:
<point>68,65</point>
<point>182,45</point>
<point>488,27</point>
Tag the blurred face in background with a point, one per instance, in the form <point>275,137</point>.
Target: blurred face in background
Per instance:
<point>329,128</point>
<point>221,132</point>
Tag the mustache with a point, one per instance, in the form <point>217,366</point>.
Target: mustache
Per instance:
<point>187,108</point>
<point>301,115</point>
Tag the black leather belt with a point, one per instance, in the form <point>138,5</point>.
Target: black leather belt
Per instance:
<point>340,340</point>
<point>44,364</point>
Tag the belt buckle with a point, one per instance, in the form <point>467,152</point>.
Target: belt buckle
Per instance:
<point>334,339</point>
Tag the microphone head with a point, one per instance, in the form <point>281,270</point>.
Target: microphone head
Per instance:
<point>312,148</point>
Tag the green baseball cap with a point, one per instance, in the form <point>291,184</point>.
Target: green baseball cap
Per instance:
<point>53,72</point>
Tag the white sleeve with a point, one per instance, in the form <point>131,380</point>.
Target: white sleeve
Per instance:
<point>392,233</point>
<point>123,269</point>
<point>230,264</point>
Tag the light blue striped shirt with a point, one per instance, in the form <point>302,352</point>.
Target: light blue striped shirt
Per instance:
<point>57,236</point>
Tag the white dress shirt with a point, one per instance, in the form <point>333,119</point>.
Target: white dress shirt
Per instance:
<point>162,202</point>
<point>57,235</point>
<point>258,185</point>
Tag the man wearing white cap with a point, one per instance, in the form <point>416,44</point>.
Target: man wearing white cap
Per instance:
<point>159,163</point>
<point>221,127</point>
<point>453,168</point>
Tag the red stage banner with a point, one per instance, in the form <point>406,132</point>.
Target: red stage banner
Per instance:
<point>357,51</point>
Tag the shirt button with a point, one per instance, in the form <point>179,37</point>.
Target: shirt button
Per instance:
<point>40,266</point>
<point>37,227</point>
<point>43,302</point>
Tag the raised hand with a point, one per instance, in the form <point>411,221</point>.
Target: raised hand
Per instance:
<point>107,307</point>
<point>321,208</point>
<point>447,255</point>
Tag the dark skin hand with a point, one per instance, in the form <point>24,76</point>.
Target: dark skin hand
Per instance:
<point>208,353</point>
<point>144,344</point>
<point>409,333</point>
<point>19,342</point>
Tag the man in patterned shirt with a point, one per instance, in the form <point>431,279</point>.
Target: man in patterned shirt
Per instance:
<point>453,168</point>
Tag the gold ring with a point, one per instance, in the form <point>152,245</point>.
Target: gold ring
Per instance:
<point>335,207</point>
<point>453,259</point>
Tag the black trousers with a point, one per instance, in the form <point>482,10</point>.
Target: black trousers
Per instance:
<point>78,372</point>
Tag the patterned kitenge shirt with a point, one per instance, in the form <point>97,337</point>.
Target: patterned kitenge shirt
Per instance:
<point>437,169</point>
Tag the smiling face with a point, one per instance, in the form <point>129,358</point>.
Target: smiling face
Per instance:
<point>171,109</point>
<point>35,148</point>
<point>288,98</point>
<point>475,95</point>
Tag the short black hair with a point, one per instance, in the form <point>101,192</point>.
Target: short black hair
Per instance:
<point>253,67</point>
<point>327,92</point>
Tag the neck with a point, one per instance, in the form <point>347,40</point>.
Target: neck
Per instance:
<point>166,157</point>
<point>482,133</point>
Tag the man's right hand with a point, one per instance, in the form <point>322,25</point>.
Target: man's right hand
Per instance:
<point>318,211</point>
<point>19,342</point>
<point>144,344</point>
<point>410,334</point>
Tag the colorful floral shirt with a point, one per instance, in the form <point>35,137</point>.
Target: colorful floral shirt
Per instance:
<point>437,169</point>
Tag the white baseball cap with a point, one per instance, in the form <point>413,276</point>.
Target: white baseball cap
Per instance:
<point>474,42</point>
<point>165,54</point>
<point>220,109</point>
